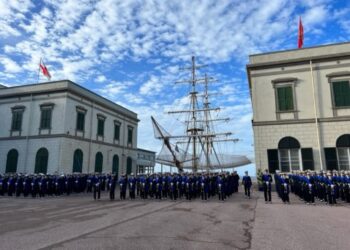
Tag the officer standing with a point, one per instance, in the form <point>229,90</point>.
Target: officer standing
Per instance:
<point>132,186</point>
<point>247,183</point>
<point>97,187</point>
<point>112,183</point>
<point>267,180</point>
<point>122,184</point>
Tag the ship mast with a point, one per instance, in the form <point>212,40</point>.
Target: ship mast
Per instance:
<point>199,133</point>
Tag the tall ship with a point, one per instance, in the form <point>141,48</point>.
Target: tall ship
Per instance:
<point>200,147</point>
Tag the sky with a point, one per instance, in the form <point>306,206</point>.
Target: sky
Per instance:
<point>132,51</point>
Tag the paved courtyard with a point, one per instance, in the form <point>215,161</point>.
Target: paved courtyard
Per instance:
<point>78,222</point>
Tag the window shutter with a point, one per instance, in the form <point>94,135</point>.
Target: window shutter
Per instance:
<point>289,98</point>
<point>341,91</point>
<point>331,158</point>
<point>281,99</point>
<point>307,158</point>
<point>272,156</point>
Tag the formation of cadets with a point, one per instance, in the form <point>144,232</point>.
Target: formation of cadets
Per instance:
<point>187,186</point>
<point>328,187</point>
<point>154,186</point>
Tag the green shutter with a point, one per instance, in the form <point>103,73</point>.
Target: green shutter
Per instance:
<point>285,98</point>
<point>289,98</point>
<point>341,92</point>
<point>116,132</point>
<point>130,136</point>
<point>100,127</point>
<point>80,121</point>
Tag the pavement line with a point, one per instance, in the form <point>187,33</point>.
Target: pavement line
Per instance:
<point>50,246</point>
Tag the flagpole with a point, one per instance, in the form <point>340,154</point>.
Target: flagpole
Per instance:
<point>316,118</point>
<point>39,70</point>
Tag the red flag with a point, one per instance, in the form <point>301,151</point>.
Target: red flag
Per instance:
<point>300,34</point>
<point>44,70</point>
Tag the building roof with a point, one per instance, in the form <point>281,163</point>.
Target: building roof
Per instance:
<point>145,150</point>
<point>2,86</point>
<point>322,52</point>
<point>65,86</point>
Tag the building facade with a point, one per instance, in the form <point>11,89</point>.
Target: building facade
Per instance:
<point>145,161</point>
<point>61,127</point>
<point>301,108</point>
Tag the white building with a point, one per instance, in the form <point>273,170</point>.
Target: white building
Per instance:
<point>145,161</point>
<point>63,127</point>
<point>301,108</point>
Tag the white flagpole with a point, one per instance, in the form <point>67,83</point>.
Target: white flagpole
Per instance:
<point>316,117</point>
<point>39,70</point>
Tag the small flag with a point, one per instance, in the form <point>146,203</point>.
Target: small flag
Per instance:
<point>44,70</point>
<point>300,34</point>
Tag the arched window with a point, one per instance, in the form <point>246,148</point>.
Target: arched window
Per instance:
<point>289,154</point>
<point>78,161</point>
<point>115,167</point>
<point>343,152</point>
<point>11,162</point>
<point>41,160</point>
<point>98,162</point>
<point>128,165</point>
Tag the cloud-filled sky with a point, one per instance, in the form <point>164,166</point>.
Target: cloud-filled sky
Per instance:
<point>130,51</point>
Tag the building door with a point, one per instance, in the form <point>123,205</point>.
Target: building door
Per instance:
<point>78,161</point>
<point>115,166</point>
<point>41,160</point>
<point>11,162</point>
<point>98,162</point>
<point>128,165</point>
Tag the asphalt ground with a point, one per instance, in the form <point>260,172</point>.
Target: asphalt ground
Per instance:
<point>79,222</point>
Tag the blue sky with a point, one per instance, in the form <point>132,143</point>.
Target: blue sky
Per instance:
<point>130,51</point>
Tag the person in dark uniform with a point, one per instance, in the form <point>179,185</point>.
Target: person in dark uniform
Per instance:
<point>221,187</point>
<point>267,180</point>
<point>112,183</point>
<point>284,186</point>
<point>122,184</point>
<point>97,187</point>
<point>132,186</point>
<point>247,183</point>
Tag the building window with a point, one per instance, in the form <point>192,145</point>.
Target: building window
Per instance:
<point>11,162</point>
<point>289,159</point>
<point>343,158</point>
<point>81,111</point>
<point>100,124</point>
<point>17,117</point>
<point>98,162</point>
<point>130,132</point>
<point>41,161</point>
<point>341,93</point>
<point>116,131</point>
<point>46,115</point>
<point>78,161</point>
<point>128,166</point>
<point>343,152</point>
<point>289,154</point>
<point>285,98</point>
<point>80,121</point>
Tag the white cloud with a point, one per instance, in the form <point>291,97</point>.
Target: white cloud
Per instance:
<point>9,65</point>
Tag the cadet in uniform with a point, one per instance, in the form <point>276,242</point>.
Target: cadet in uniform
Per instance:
<point>267,180</point>
<point>247,183</point>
